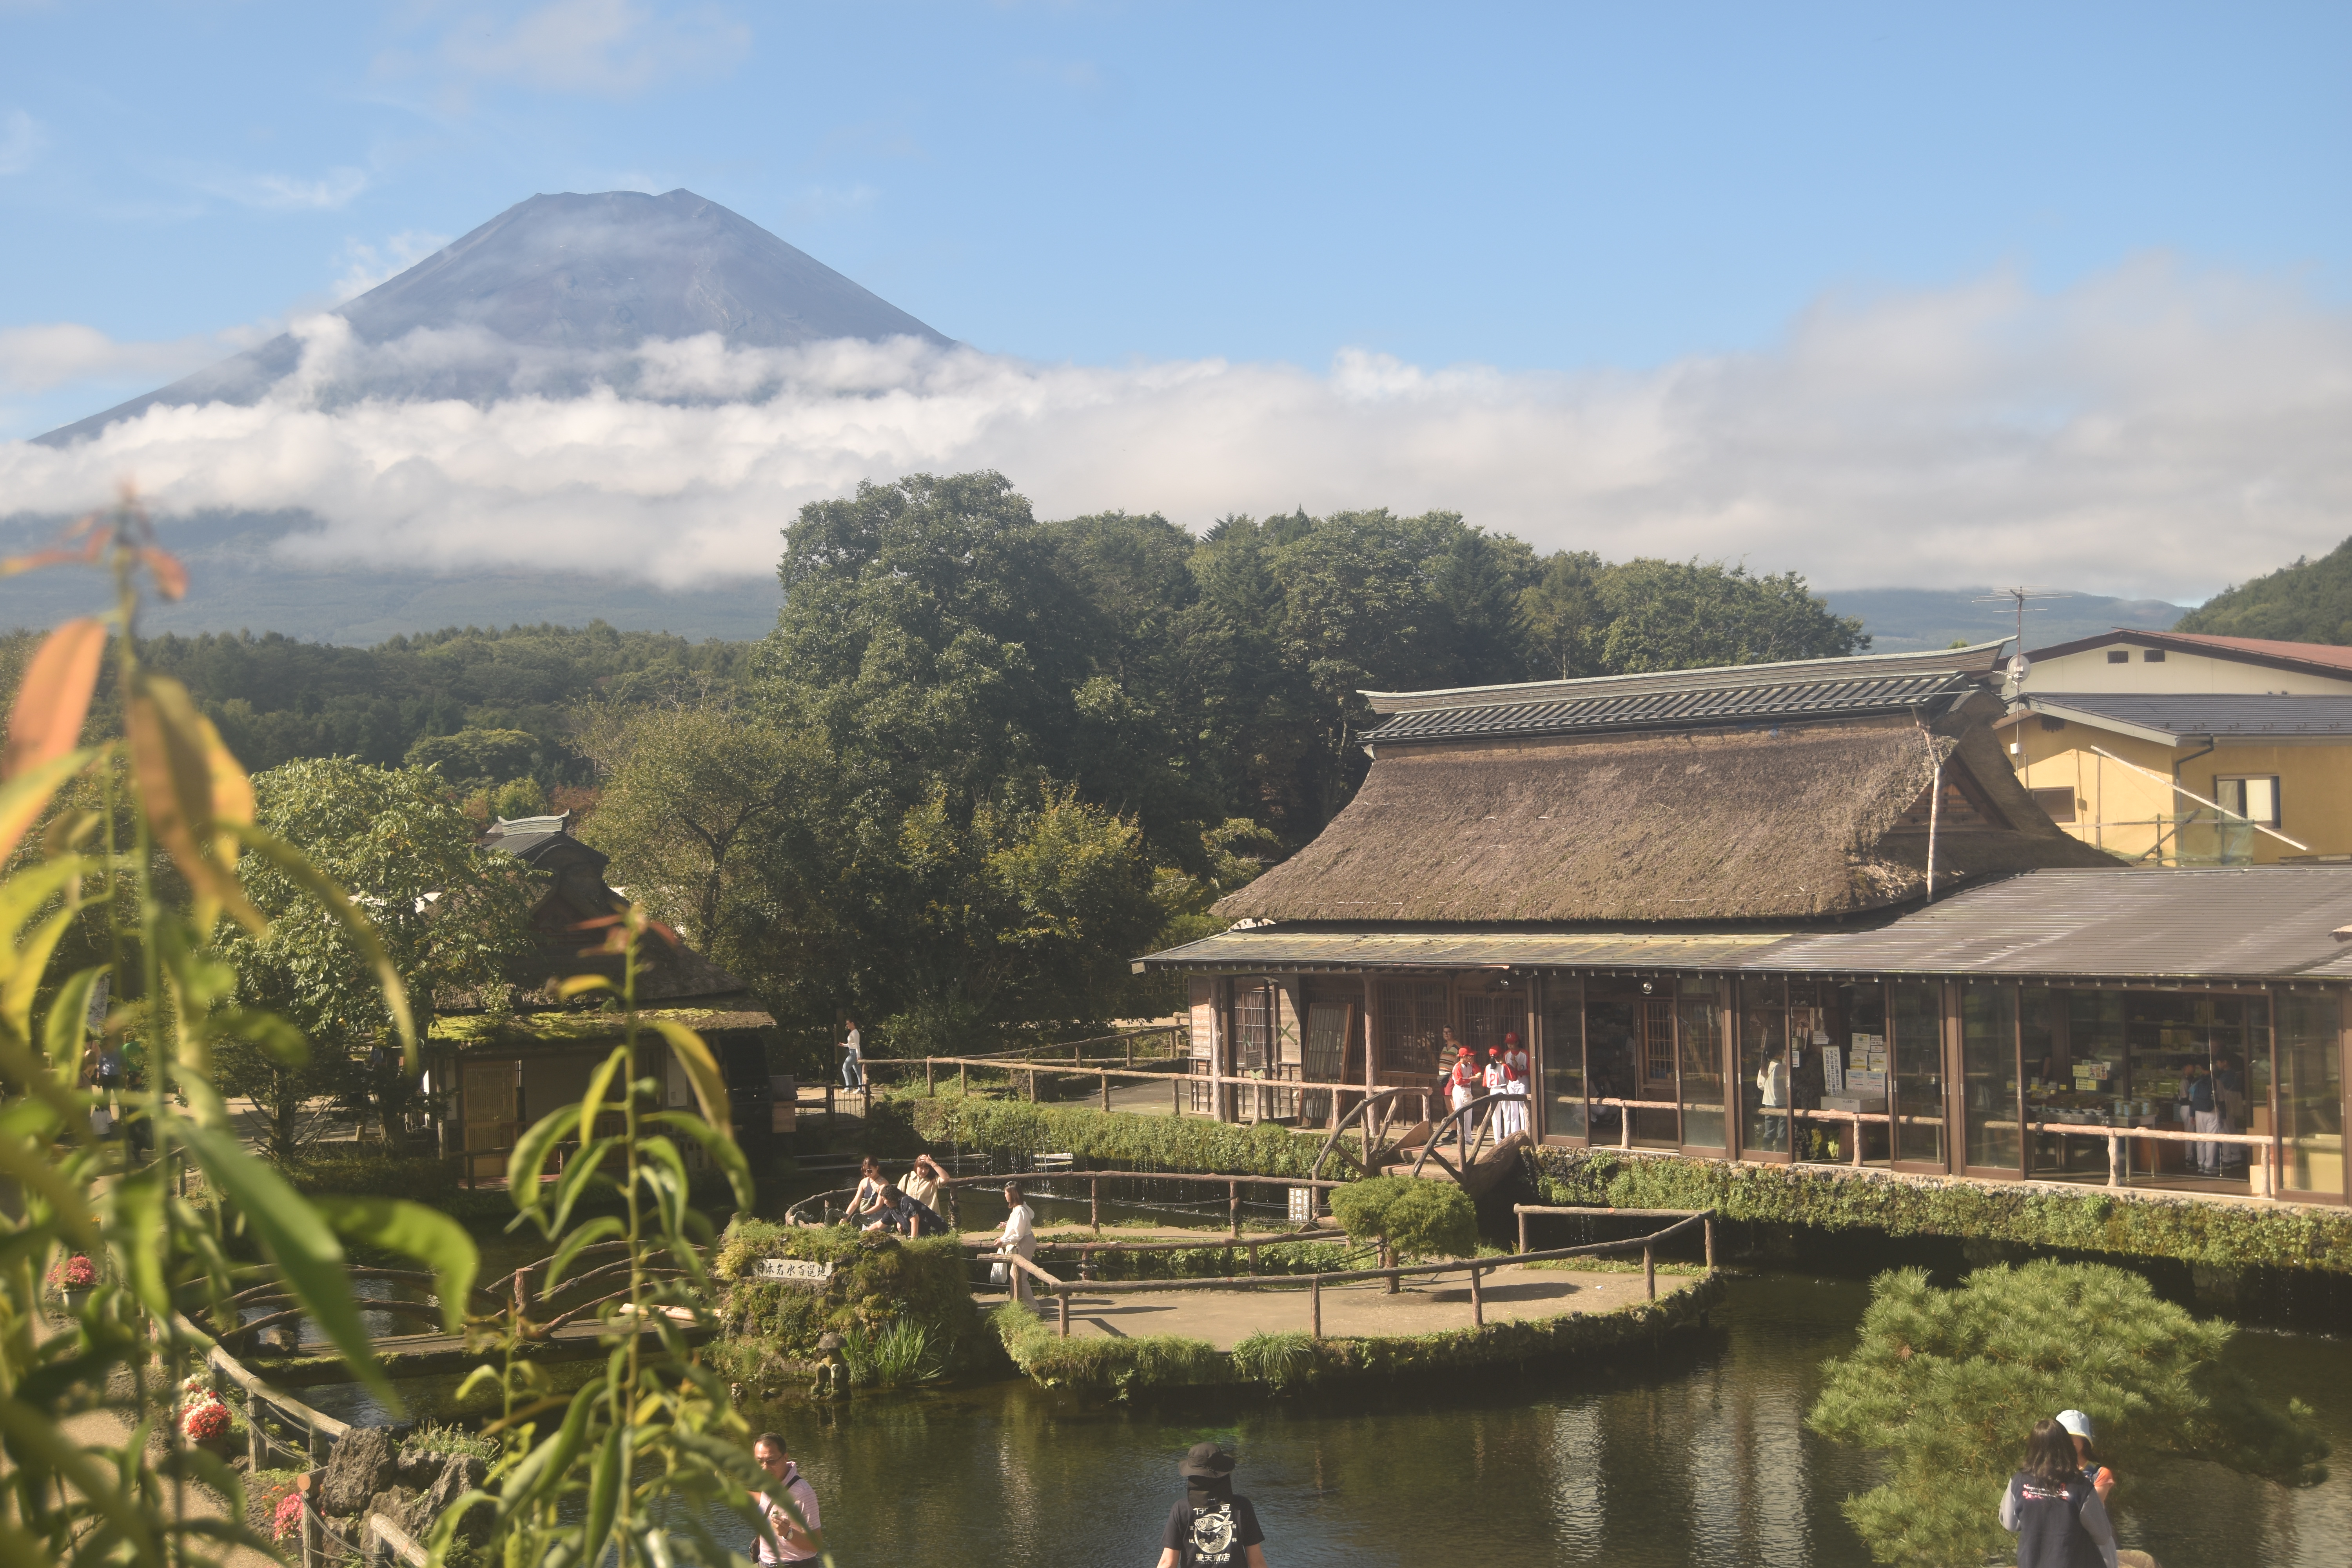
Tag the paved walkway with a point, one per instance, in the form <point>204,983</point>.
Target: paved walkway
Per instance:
<point>1425,1306</point>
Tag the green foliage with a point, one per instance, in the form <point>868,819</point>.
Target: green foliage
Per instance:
<point>365,1170</point>
<point>1112,1140</point>
<point>448,915</point>
<point>1277,1360</point>
<point>472,759</point>
<point>1418,1219</point>
<point>2310,601</point>
<point>1671,614</point>
<point>1835,1198</point>
<point>1948,1383</point>
<point>1117,1367</point>
<point>150,853</point>
<point>878,1281</point>
<point>440,1438</point>
<point>897,1355</point>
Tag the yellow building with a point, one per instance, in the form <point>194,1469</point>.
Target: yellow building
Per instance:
<point>2184,749</point>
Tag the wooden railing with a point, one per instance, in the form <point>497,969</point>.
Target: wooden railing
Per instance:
<point>1477,1268</point>
<point>1095,1179</point>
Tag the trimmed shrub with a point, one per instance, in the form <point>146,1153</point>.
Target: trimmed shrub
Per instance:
<point>1113,1138</point>
<point>1418,1219</point>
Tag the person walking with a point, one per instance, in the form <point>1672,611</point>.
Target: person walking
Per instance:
<point>2058,1515</point>
<point>852,1064</point>
<point>1019,1237</point>
<point>1211,1526</point>
<point>798,1539</point>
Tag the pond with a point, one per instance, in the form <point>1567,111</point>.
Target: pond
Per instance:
<point>1696,1457</point>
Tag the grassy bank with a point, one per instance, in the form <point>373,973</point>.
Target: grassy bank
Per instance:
<point>1283,1363</point>
<point>2128,1224</point>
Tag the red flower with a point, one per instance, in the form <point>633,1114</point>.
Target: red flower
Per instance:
<point>202,1423</point>
<point>289,1515</point>
<point>76,1273</point>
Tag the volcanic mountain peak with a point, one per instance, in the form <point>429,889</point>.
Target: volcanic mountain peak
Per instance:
<point>553,282</point>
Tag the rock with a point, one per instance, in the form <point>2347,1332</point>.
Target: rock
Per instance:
<point>362,1466</point>
<point>462,1474</point>
<point>420,1468</point>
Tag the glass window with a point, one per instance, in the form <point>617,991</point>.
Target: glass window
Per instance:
<point>1612,1023</point>
<point>1564,1058</point>
<point>1698,1030</point>
<point>1858,1074</point>
<point>2254,798</point>
<point>2042,1020</point>
<point>2310,1091</point>
<point>1988,1074</point>
<point>1411,1019</point>
<point>1764,1080</point>
<point>1253,1025</point>
<point>1917,1025</point>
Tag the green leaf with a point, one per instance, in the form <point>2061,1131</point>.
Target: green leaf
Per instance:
<point>296,1238</point>
<point>427,1234</point>
<point>357,926</point>
<point>546,1463</point>
<point>587,1235</point>
<point>702,1069</point>
<point>68,1024</point>
<point>139,1211</point>
<point>530,1151</point>
<point>591,1104</point>
<point>580,1172</point>
<point>604,1492</point>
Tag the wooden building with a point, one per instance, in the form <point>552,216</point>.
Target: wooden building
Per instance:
<point>1785,913</point>
<point>502,1071</point>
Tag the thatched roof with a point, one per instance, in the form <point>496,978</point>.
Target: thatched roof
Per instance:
<point>1708,824</point>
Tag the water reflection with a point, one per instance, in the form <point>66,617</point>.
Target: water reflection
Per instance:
<point>1695,1457</point>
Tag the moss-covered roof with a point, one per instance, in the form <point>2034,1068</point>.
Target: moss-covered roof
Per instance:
<point>566,1026</point>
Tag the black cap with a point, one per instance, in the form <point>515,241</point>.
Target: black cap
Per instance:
<point>1205,1461</point>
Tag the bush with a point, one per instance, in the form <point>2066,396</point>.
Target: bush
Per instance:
<point>1116,1138</point>
<point>892,1357</point>
<point>1416,1218</point>
<point>1115,1367</point>
<point>880,1284</point>
<point>1951,1382</point>
<point>367,1171</point>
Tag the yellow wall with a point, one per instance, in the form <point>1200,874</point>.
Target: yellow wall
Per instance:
<point>2178,672</point>
<point>2314,785</point>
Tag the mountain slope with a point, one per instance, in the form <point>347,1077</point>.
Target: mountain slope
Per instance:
<point>1909,620</point>
<point>538,299</point>
<point>2310,601</point>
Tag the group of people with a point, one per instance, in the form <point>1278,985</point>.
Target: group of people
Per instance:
<point>2057,1504</point>
<point>1211,1526</point>
<point>1505,1072</point>
<point>920,1203</point>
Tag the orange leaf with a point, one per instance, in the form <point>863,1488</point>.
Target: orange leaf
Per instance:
<point>171,577</point>
<point>40,558</point>
<point>55,697</point>
<point>177,756</point>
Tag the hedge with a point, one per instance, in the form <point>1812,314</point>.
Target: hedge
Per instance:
<point>769,1329</point>
<point>1116,1138</point>
<point>1834,1199</point>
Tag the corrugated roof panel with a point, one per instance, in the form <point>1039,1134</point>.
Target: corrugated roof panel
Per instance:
<point>2202,714</point>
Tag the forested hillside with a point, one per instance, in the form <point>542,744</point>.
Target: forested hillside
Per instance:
<point>2310,601</point>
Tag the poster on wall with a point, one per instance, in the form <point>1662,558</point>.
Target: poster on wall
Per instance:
<point>1833,1073</point>
<point>1204,1020</point>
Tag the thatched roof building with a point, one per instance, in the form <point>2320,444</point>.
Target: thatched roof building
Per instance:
<point>1759,792</point>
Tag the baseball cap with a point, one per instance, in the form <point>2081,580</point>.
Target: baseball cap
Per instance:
<point>2076,1424</point>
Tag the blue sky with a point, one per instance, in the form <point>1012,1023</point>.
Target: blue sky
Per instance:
<point>1570,189</point>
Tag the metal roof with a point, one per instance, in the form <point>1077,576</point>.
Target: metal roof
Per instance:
<point>1979,659</point>
<point>1292,947</point>
<point>2169,719</point>
<point>1782,700</point>
<point>2245,923</point>
<point>2253,922</point>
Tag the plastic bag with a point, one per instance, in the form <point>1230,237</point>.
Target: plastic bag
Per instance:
<point>1000,1272</point>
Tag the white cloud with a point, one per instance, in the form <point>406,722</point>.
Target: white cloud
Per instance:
<point>611,48</point>
<point>366,266</point>
<point>281,193</point>
<point>2149,432</point>
<point>21,141</point>
<point>58,353</point>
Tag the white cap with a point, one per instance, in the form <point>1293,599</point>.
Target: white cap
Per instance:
<point>2076,1423</point>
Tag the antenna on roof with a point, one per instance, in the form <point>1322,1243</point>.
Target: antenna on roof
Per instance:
<point>2018,663</point>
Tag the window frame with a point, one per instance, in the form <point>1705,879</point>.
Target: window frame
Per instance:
<point>2277,817</point>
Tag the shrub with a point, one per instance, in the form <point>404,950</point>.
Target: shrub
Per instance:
<point>367,1171</point>
<point>1114,1367</point>
<point>892,1357</point>
<point>1949,1384</point>
<point>1416,1218</point>
<point>1116,1138</point>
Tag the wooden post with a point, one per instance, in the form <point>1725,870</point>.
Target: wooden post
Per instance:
<point>1131,1050</point>
<point>257,1456</point>
<point>2114,1159</point>
<point>1315,1300</point>
<point>931,1083</point>
<point>963,1077</point>
<point>1708,1226</point>
<point>1033,1085</point>
<point>1176,1096</point>
<point>1094,1192</point>
<point>1624,1125</point>
<point>1477,1300</point>
<point>1105,1092</point>
<point>1233,1207</point>
<point>1854,1137</point>
<point>1388,1261</point>
<point>1253,1260</point>
<point>1064,1296</point>
<point>828,1100</point>
<point>1523,1230</point>
<point>1650,1270</point>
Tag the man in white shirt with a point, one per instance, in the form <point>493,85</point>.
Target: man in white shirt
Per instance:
<point>852,1064</point>
<point>802,1539</point>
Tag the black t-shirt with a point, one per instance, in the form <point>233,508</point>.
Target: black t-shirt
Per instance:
<point>1212,1532</point>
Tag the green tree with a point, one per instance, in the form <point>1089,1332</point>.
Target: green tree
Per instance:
<point>1948,1384</point>
<point>2309,601</point>
<point>1669,615</point>
<point>1411,1217</point>
<point>1561,612</point>
<point>449,915</point>
<point>474,758</point>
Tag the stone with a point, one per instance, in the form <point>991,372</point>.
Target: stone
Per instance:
<point>420,1468</point>
<point>362,1466</point>
<point>462,1474</point>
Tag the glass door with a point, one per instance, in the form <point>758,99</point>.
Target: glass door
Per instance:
<point>1916,1019</point>
<point>1562,1039</point>
<point>2311,1093</point>
<point>1765,1084</point>
<point>1698,1030</point>
<point>1989,1086</point>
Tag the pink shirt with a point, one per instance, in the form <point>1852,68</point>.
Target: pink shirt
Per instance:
<point>803,1496</point>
